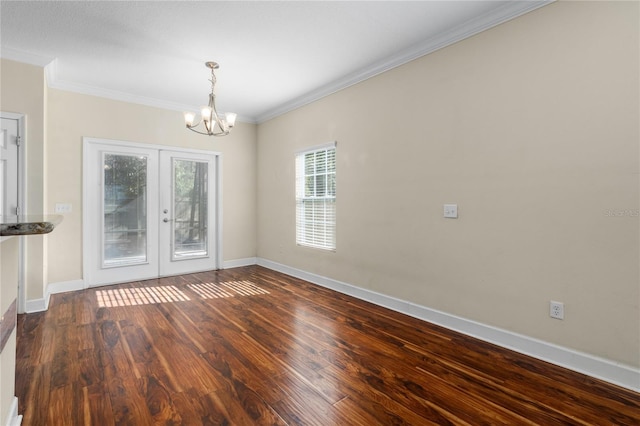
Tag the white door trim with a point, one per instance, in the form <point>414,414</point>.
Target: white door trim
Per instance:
<point>89,142</point>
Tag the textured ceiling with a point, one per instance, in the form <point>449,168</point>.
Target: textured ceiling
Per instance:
<point>273,56</point>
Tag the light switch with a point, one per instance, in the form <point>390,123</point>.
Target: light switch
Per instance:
<point>451,211</point>
<point>63,208</point>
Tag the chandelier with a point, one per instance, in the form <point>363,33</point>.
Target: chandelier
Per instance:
<point>213,122</point>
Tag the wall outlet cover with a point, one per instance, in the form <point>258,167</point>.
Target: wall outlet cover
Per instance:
<point>451,211</point>
<point>556,310</point>
<point>63,208</point>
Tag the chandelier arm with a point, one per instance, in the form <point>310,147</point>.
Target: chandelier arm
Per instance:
<point>198,131</point>
<point>194,124</point>
<point>209,134</point>
<point>222,123</point>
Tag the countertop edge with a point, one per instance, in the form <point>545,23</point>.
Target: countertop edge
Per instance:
<point>28,225</point>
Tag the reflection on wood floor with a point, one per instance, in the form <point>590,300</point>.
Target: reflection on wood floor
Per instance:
<point>251,346</point>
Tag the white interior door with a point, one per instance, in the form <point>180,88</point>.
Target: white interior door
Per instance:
<point>149,212</point>
<point>9,167</point>
<point>12,172</point>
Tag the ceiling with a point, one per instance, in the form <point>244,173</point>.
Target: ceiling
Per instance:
<point>274,56</point>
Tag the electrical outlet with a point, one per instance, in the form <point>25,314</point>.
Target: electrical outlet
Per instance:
<point>556,310</point>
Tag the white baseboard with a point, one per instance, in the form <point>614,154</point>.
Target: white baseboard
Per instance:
<point>36,305</point>
<point>64,286</point>
<point>236,263</point>
<point>13,419</point>
<point>600,368</point>
<point>40,305</point>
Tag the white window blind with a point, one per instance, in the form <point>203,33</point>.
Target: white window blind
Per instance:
<point>316,197</point>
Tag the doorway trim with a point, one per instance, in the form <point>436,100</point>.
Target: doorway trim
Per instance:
<point>22,202</point>
<point>88,142</point>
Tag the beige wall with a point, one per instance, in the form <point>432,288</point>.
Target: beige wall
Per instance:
<point>532,129</point>
<point>9,249</point>
<point>72,116</point>
<point>22,90</point>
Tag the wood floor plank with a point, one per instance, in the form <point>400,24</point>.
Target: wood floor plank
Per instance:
<point>303,404</point>
<point>128,401</point>
<point>59,411</point>
<point>251,346</point>
<point>188,404</point>
<point>97,409</point>
<point>367,382</point>
<point>234,367</point>
<point>187,369</point>
<point>369,412</point>
<point>37,389</point>
<point>159,401</point>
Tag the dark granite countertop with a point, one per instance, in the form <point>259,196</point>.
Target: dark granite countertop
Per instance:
<point>28,224</point>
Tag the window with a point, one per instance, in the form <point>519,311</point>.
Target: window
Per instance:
<point>316,197</point>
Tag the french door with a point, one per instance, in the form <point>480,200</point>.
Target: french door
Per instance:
<point>149,212</point>
<point>186,229</point>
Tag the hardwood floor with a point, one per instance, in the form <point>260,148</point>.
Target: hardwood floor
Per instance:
<point>251,346</point>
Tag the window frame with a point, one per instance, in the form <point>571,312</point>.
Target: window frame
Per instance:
<point>311,231</point>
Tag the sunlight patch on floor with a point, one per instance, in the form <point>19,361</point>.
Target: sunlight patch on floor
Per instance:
<point>227,289</point>
<point>139,296</point>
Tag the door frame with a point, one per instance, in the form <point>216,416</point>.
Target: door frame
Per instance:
<point>22,201</point>
<point>88,142</point>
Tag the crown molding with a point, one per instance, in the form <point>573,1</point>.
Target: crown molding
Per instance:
<point>24,57</point>
<point>50,66</point>
<point>55,83</point>
<point>509,11</point>
<point>51,73</point>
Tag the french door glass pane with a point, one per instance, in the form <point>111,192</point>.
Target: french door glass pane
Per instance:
<point>125,209</point>
<point>190,209</point>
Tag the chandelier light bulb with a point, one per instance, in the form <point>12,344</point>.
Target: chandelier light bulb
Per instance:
<point>231,118</point>
<point>206,113</point>
<point>188,118</point>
